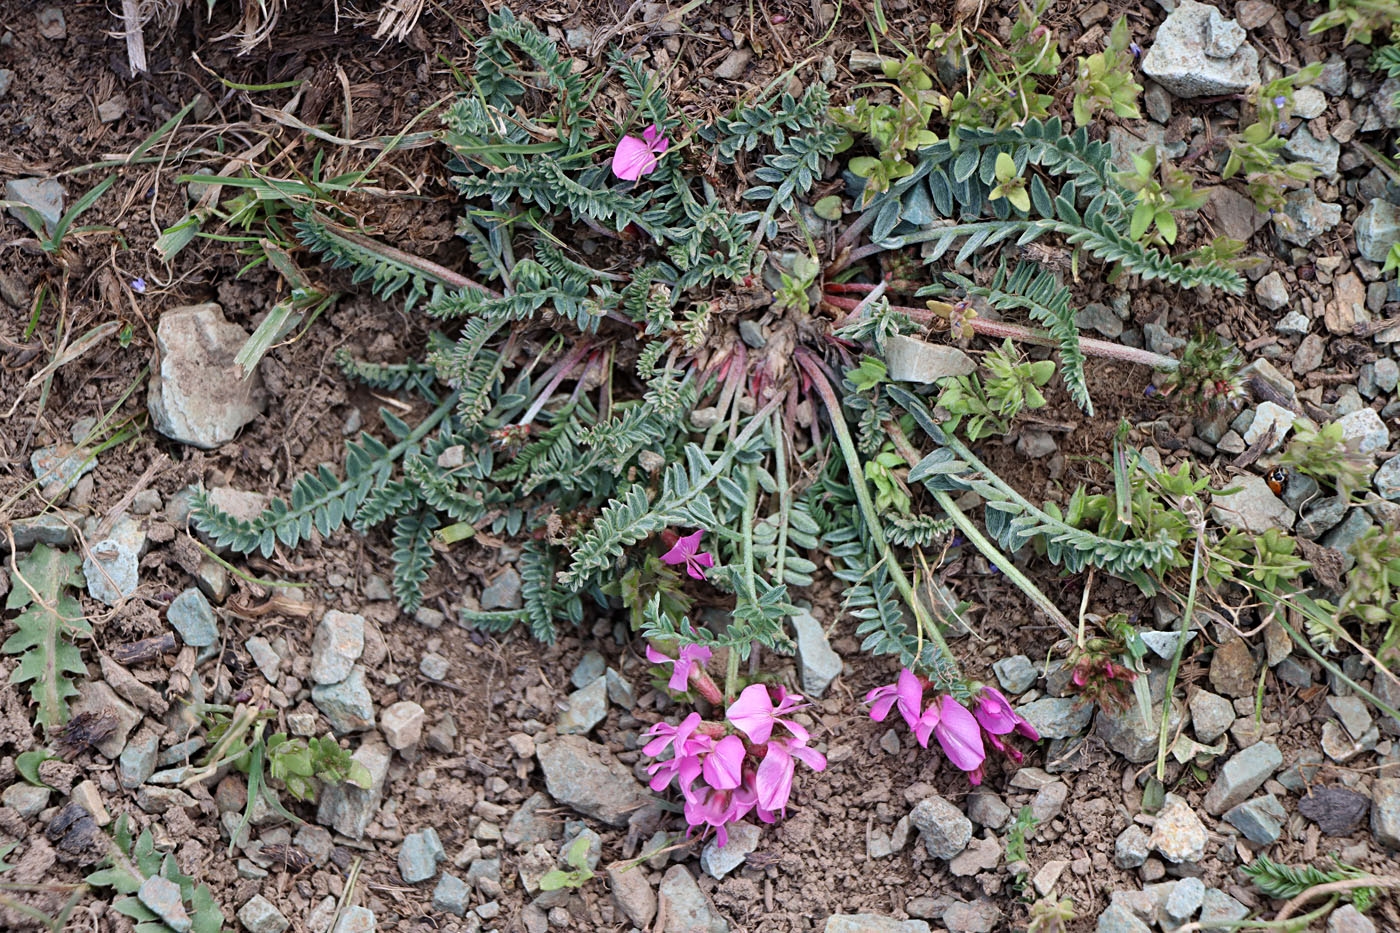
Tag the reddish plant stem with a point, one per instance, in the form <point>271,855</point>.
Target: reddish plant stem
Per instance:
<point>707,687</point>
<point>1001,330</point>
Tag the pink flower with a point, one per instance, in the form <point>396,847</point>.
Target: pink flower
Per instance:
<point>637,157</point>
<point>957,732</point>
<point>754,712</point>
<point>687,551</point>
<point>907,693</point>
<point>774,778</point>
<point>723,768</point>
<point>680,670</point>
<point>994,713</point>
<point>686,748</point>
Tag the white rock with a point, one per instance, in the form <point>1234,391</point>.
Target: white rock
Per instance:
<point>198,394</point>
<point>1185,56</point>
<point>1266,416</point>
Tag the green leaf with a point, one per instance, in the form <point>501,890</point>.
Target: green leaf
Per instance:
<point>1019,198</point>
<point>52,615</point>
<point>829,207</point>
<point>1005,167</point>
<point>27,764</point>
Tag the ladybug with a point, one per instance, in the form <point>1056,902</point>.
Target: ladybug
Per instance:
<point>1276,478</point>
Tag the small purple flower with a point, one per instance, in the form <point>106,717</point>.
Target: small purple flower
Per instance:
<point>1135,49</point>
<point>957,732</point>
<point>993,712</point>
<point>637,157</point>
<point>906,693</point>
<point>690,655</point>
<point>687,551</point>
<point>754,713</point>
<point>138,285</point>
<point>1280,102</point>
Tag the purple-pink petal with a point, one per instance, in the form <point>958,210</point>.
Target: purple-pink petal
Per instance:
<point>633,159</point>
<point>911,696</point>
<point>774,778</point>
<point>723,767</point>
<point>881,699</point>
<point>752,713</point>
<point>959,735</point>
<point>994,712</point>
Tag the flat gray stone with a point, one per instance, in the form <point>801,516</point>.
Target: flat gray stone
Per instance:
<point>589,668</point>
<point>338,644</point>
<point>452,895</point>
<point>198,395</point>
<point>1305,217</point>
<point>820,664</point>
<point>1261,819</point>
<point>57,468</point>
<point>503,592</point>
<point>162,896</point>
<point>1241,776</point>
<point>1347,919</point>
<point>1352,713</point>
<point>1219,907</point>
<point>1125,731</point>
<point>259,915</point>
<point>587,707</point>
<point>1179,834</point>
<point>686,907</point>
<point>583,775</point>
<point>1057,717</point>
<point>191,615</point>
<point>1377,229</point>
<point>419,856</point>
<point>1385,812</point>
<point>347,705</point>
<point>1016,674</point>
<point>979,916</point>
<point>1272,292</point>
<point>402,724</point>
<point>44,196</point>
<point>111,568</point>
<point>355,920</point>
<point>56,528</point>
<point>1303,146</point>
<point>908,359</point>
<point>718,861</point>
<point>944,828</point>
<point>620,690</point>
<point>25,799</point>
<point>348,809</point>
<point>1184,57</point>
<point>1254,508</point>
<point>1185,899</point>
<point>1131,848</point>
<point>1365,430</point>
<point>529,825</point>
<point>633,894</point>
<point>95,696</point>
<point>1119,919</point>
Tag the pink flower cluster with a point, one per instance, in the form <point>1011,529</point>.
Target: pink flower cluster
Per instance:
<point>960,733</point>
<point>724,776</point>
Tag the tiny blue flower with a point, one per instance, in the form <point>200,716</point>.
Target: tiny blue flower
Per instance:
<point>1150,391</point>
<point>1135,49</point>
<point>138,285</point>
<point>1280,102</point>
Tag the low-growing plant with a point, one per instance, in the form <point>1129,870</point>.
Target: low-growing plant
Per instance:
<point>134,865</point>
<point>1325,455</point>
<point>1254,150</point>
<point>1208,379</point>
<point>981,408</point>
<point>1363,19</point>
<point>578,874</point>
<point>51,621</point>
<point>1104,80</point>
<point>1162,189</point>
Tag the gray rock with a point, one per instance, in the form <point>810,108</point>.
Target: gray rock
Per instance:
<point>620,689</point>
<point>1219,907</point>
<point>1126,733</point>
<point>942,826</point>
<point>25,799</point>
<point>347,704</point>
<point>1352,713</point>
<point>95,696</point>
<point>530,825</point>
<point>337,645</point>
<point>1388,479</point>
<point>1321,516</point>
<point>434,666</point>
<point>1303,146</point>
<point>872,923</point>
<point>503,592</point>
<point>1341,747</point>
<point>43,195</point>
<point>1270,417</point>
<point>1186,56</point>
<point>1160,340</point>
<point>718,861</point>
<point>162,896</point>
<point>1387,374</point>
<point>1385,812</point>
<point>1365,430</point>
<point>56,528</point>
<point>910,360</point>
<point>1179,835</point>
<point>1163,644</point>
<point>1185,899</point>
<point>1211,715</point>
<point>1232,669</point>
<point>402,724</point>
<point>348,809</point>
<point>191,615</point>
<point>198,394</point>
<point>1049,801</point>
<point>137,761</point>
<point>1294,323</point>
<point>590,667</point>
<point>585,776</point>
<point>1347,919</point>
<point>1344,537</point>
<point>1261,819</point>
<point>1100,317</point>
<point>686,908</point>
<point>587,707</point>
<point>979,916</point>
<point>981,855</point>
<point>1036,445</point>
<point>1117,918</point>
<point>1016,674</point>
<point>633,894</point>
<point>452,895</point>
<point>419,856</point>
<point>1057,717</point>
<point>259,915</point>
<point>1131,848</point>
<point>1254,508</point>
<point>1377,229</point>
<point>1158,103</point>
<point>110,569</point>
<point>987,809</point>
<point>820,664</point>
<point>1308,103</point>
<point>1305,218</point>
<point>752,334</point>
<point>57,468</point>
<point>267,659</point>
<point>1241,776</point>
